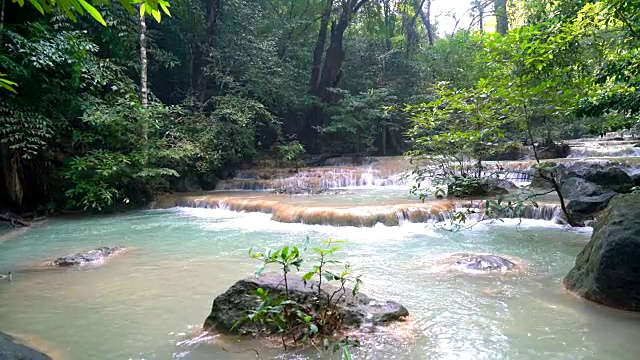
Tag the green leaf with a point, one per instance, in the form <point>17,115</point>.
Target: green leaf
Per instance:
<point>284,253</point>
<point>156,15</point>
<point>37,5</point>
<point>127,5</point>
<point>346,354</point>
<point>92,11</point>
<point>165,8</point>
<point>330,276</point>
<point>7,84</point>
<point>308,276</point>
<point>260,269</point>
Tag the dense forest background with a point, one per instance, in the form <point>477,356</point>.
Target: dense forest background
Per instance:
<point>95,116</point>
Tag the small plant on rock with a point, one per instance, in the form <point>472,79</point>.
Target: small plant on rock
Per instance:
<point>306,320</point>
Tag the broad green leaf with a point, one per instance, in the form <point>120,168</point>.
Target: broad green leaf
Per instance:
<point>308,276</point>
<point>165,8</point>
<point>35,4</point>
<point>156,15</point>
<point>92,11</point>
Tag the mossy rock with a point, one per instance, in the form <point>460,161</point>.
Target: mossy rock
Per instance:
<point>607,270</point>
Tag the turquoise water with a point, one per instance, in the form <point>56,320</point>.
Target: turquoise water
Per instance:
<point>148,302</point>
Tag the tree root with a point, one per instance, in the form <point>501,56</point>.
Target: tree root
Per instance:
<point>241,351</point>
<point>14,220</point>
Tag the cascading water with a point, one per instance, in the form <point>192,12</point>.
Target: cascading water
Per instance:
<point>314,178</point>
<point>376,173</point>
<point>603,149</point>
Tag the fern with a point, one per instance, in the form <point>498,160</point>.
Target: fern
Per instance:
<point>24,131</point>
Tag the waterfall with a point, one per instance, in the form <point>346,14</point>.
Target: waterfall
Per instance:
<point>363,216</point>
<point>314,178</point>
<point>590,149</point>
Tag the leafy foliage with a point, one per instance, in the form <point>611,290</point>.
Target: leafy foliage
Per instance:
<point>305,323</point>
<point>72,7</point>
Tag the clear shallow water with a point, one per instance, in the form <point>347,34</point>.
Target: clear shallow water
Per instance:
<point>141,304</point>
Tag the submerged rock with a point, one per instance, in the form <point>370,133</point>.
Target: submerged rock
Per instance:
<point>234,303</point>
<point>482,262</point>
<point>299,191</point>
<point>10,349</point>
<point>91,256</point>
<point>607,271</point>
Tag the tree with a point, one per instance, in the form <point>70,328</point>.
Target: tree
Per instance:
<point>331,74</point>
<point>502,19</point>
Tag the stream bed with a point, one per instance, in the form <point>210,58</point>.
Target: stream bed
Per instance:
<point>148,302</point>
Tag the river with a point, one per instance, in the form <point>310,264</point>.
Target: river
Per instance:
<point>149,302</point>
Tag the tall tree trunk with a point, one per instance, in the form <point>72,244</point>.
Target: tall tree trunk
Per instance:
<point>502,21</point>
<point>11,174</point>
<point>1,21</point>
<point>214,14</point>
<point>388,25</point>
<point>144,98</point>
<point>334,56</point>
<point>410,29</point>
<point>319,49</point>
<point>384,139</point>
<point>333,59</point>
<point>480,8</point>
<point>426,21</point>
<point>144,94</point>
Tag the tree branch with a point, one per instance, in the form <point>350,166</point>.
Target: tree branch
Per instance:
<point>358,5</point>
<point>626,21</point>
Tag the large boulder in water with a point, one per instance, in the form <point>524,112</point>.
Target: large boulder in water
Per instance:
<point>470,187</point>
<point>587,207</point>
<point>234,304</point>
<point>501,185</point>
<point>88,257</point>
<point>10,349</point>
<point>588,187</point>
<point>552,150</point>
<point>585,199</point>
<point>609,177</point>
<point>607,271</point>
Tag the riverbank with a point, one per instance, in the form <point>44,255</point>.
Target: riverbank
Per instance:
<point>24,347</point>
